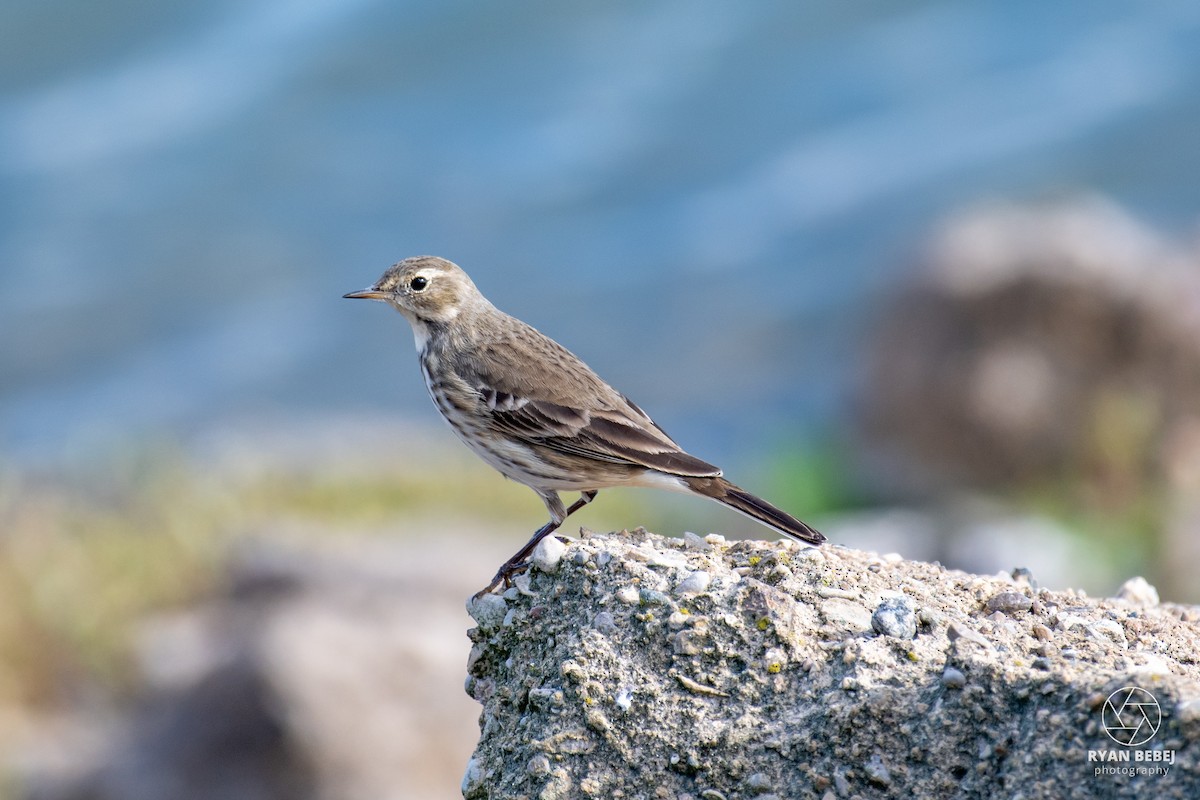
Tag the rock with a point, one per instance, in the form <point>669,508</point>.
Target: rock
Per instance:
<point>474,781</point>
<point>877,771</point>
<point>953,678</point>
<point>604,622</point>
<point>331,682</point>
<point>957,630</point>
<point>628,595</point>
<point>548,554</point>
<point>320,678</point>
<point>895,616</point>
<point>488,610</point>
<point>846,614</point>
<point>1138,592</point>
<point>1054,346</point>
<point>1009,602</point>
<point>1029,327</point>
<point>781,690</point>
<point>695,583</point>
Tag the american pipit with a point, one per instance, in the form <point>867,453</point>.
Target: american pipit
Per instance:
<point>538,414</point>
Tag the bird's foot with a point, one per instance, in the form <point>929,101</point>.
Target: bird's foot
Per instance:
<point>504,576</point>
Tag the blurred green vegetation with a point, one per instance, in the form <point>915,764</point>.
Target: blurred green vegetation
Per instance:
<point>84,557</point>
<point>813,479</point>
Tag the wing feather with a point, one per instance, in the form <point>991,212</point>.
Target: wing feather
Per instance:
<point>537,391</point>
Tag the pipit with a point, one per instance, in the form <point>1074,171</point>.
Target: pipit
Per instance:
<point>530,408</point>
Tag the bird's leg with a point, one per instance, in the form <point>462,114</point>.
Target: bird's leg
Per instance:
<point>558,514</point>
<point>584,499</point>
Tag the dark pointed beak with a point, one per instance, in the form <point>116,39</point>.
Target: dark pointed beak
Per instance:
<point>366,294</point>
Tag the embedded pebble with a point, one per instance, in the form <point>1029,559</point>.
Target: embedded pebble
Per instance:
<point>1009,602</point>
<point>953,678</point>
<point>693,542</point>
<point>955,632</point>
<point>811,554</point>
<point>677,620</point>
<point>695,583</point>
<point>877,771</point>
<point>547,555</point>
<point>653,597</point>
<point>895,616</point>
<point>604,622</point>
<point>473,779</point>
<point>629,595</point>
<point>779,573</point>
<point>845,614</point>
<point>1109,628</point>
<point>538,765</point>
<point>488,611</point>
<point>1065,622</point>
<point>1138,593</point>
<point>758,783</point>
<point>1040,632</point>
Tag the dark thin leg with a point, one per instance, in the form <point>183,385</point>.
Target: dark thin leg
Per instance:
<point>517,564</point>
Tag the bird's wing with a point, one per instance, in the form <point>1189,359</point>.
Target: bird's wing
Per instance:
<point>544,395</point>
<point>614,435</point>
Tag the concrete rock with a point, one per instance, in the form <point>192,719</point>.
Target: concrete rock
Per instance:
<point>776,695</point>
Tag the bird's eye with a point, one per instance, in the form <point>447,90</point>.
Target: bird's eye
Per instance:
<point>418,283</point>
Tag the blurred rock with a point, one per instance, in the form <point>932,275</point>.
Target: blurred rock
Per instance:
<point>1042,341</point>
<point>1052,349</point>
<point>771,698</point>
<point>322,672</point>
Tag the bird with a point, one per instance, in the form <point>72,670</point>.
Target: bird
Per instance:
<point>538,414</point>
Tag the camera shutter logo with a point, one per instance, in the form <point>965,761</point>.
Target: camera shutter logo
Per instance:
<point>1131,716</point>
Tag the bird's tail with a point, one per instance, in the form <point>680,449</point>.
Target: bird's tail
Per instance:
<point>754,507</point>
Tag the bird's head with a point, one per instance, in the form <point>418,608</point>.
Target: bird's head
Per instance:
<point>425,289</point>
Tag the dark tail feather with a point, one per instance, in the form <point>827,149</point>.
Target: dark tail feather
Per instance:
<point>756,508</point>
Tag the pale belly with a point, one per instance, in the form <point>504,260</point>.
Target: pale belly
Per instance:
<point>513,459</point>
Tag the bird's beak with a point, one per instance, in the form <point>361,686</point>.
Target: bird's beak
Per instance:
<point>367,294</point>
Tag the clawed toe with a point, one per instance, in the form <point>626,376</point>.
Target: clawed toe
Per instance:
<point>504,576</point>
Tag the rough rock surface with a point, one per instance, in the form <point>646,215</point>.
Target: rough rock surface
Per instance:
<point>644,667</point>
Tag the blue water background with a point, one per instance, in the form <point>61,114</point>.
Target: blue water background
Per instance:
<point>705,200</point>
